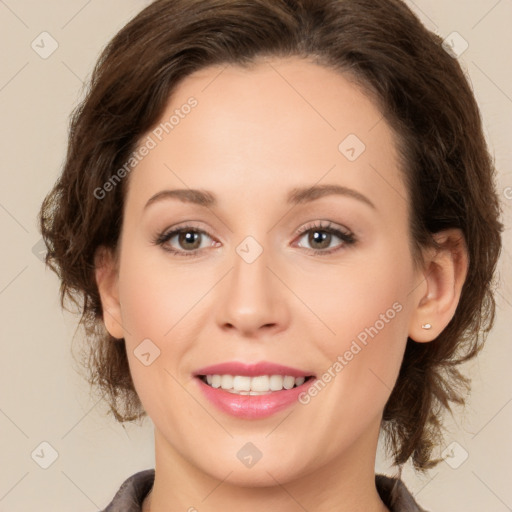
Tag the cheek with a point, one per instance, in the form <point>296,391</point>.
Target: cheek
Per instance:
<point>367,314</point>
<point>355,298</point>
<point>156,296</point>
<point>160,303</point>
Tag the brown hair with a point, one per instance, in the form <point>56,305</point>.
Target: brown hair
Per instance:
<point>423,95</point>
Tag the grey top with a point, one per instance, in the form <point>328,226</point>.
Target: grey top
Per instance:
<point>134,489</point>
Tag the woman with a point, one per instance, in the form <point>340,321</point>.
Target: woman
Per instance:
<point>325,161</point>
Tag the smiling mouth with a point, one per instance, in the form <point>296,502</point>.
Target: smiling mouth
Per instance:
<point>257,385</point>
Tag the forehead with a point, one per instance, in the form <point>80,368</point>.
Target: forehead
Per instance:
<point>276,125</point>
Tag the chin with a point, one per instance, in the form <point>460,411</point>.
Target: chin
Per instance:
<point>262,473</point>
<point>264,476</point>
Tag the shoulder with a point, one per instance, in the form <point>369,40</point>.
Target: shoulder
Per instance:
<point>395,495</point>
<point>132,492</point>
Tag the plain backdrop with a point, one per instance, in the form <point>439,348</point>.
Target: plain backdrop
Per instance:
<point>47,416</point>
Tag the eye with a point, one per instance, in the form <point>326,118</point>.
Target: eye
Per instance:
<point>320,237</point>
<point>188,238</point>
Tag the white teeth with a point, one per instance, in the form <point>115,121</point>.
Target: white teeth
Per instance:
<point>259,385</point>
<point>299,381</point>
<point>288,382</point>
<point>226,382</point>
<point>242,383</point>
<point>276,382</point>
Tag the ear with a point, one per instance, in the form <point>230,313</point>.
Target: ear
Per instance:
<point>107,280</point>
<point>442,278</point>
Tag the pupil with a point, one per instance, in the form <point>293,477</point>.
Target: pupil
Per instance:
<point>323,237</point>
<point>188,237</point>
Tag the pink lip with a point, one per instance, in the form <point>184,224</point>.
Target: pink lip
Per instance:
<point>252,406</point>
<point>251,370</point>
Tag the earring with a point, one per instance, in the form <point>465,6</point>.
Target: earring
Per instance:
<point>426,326</point>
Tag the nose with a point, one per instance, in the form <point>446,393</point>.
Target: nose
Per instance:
<point>253,301</point>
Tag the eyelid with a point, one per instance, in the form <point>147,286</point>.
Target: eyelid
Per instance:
<point>318,225</point>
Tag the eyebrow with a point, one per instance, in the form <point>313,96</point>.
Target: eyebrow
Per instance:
<point>295,196</point>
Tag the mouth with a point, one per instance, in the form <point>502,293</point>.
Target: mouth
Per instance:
<point>252,391</point>
<point>255,385</point>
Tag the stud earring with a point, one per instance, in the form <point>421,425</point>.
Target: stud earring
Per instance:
<point>426,326</point>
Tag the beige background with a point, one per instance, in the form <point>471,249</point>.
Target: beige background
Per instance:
<point>43,399</point>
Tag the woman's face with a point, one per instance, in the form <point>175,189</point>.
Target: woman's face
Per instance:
<point>301,259</point>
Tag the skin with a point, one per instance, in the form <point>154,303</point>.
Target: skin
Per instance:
<point>255,134</point>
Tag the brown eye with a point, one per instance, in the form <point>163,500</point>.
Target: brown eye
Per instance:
<point>320,238</point>
<point>188,239</point>
<point>187,243</point>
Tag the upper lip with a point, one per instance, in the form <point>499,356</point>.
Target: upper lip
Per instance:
<point>251,369</point>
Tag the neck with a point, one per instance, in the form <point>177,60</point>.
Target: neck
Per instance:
<point>345,484</point>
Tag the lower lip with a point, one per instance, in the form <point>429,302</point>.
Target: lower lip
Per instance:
<point>252,406</point>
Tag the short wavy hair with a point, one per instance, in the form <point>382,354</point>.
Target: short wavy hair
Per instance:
<point>421,91</point>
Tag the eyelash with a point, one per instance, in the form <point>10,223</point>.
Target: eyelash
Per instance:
<point>348,238</point>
